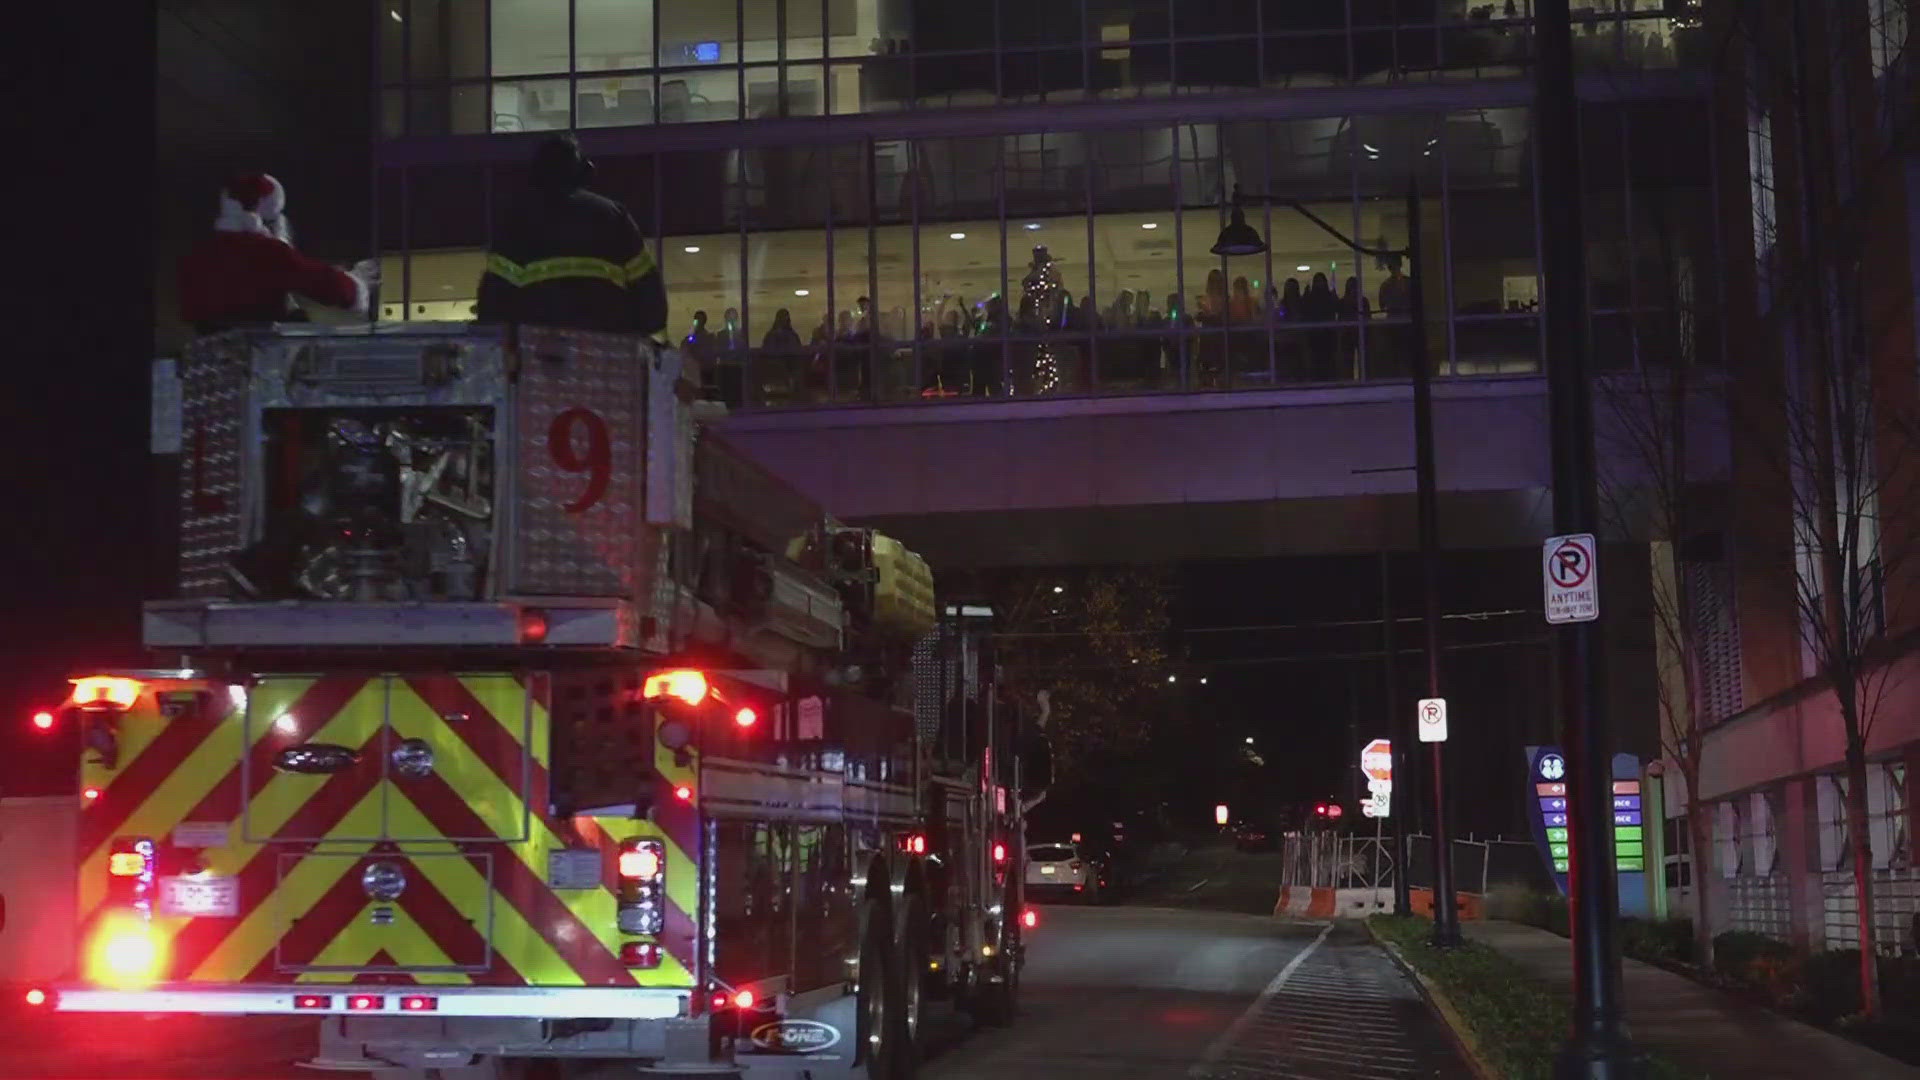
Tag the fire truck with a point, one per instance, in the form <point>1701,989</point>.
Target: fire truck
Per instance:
<point>506,714</point>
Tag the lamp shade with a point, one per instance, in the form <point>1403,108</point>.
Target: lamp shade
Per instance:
<point>1238,238</point>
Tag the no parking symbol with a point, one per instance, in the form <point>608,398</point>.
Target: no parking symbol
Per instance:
<point>1571,574</point>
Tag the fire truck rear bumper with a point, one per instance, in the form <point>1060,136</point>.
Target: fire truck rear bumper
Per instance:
<point>559,1002</point>
<point>214,624</point>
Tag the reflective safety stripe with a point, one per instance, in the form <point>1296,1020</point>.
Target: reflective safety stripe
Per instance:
<point>570,266</point>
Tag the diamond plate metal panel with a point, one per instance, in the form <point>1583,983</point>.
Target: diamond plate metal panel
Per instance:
<point>580,455</point>
<point>213,393</point>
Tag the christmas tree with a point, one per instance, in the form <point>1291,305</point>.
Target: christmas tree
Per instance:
<point>1040,292</point>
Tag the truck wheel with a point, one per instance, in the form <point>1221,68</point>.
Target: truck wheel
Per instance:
<point>880,1027</point>
<point>914,981</point>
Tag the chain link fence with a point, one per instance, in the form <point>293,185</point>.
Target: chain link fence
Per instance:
<point>1333,861</point>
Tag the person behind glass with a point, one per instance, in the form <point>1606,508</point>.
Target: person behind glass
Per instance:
<point>1290,347</point>
<point>565,256</point>
<point>1321,306</point>
<point>1353,311</point>
<point>1396,303</point>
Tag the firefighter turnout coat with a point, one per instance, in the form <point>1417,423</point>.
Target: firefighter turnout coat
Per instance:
<point>572,259</point>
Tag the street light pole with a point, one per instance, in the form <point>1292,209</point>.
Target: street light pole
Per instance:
<point>1597,1048</point>
<point>1239,238</point>
<point>1446,914</point>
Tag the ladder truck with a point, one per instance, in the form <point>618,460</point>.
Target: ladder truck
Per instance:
<point>507,718</point>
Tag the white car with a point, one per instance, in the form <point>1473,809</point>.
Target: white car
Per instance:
<point>1062,869</point>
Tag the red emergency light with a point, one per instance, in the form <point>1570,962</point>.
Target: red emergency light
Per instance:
<point>533,626</point>
<point>106,692</point>
<point>1029,918</point>
<point>683,793</point>
<point>313,1001</point>
<point>43,720</point>
<point>745,717</point>
<point>686,685</point>
<point>419,1004</point>
<point>999,852</point>
<point>366,1003</point>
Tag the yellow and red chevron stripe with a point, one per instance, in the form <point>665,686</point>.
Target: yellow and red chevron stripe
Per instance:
<point>473,836</point>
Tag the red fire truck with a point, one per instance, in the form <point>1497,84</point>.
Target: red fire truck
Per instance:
<point>508,713</point>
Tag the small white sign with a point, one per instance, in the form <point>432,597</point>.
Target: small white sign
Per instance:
<point>201,834</point>
<point>1379,802</point>
<point>1432,713</point>
<point>200,895</point>
<point>1570,570</point>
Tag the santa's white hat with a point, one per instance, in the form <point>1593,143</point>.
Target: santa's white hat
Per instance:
<point>252,202</point>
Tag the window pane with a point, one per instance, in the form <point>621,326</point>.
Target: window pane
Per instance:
<point>1304,44</point>
<point>1034,22</point>
<point>614,101</point>
<point>447,40</point>
<point>1671,231</point>
<point>1603,162</point>
<point>699,32</point>
<point>1385,155</point>
<point>611,35</point>
<point>853,27</point>
<point>785,297</point>
<point>1496,286</point>
<point>531,105</point>
<point>961,291</point>
<point>1134,268</point>
<point>393,45</point>
<point>529,37</point>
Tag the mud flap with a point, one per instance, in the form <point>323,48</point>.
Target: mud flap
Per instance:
<point>813,1042</point>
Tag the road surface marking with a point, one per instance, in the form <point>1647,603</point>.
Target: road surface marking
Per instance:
<point>1218,1048</point>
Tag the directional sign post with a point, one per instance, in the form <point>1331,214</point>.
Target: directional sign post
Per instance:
<point>1376,761</point>
<point>1433,719</point>
<point>1570,573</point>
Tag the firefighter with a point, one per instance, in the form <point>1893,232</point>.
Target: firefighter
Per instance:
<point>567,257</point>
<point>248,271</point>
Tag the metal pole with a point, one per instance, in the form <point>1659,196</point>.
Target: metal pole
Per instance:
<point>1446,917</point>
<point>1399,731</point>
<point>1597,1049</point>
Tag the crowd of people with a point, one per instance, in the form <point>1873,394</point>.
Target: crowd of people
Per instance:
<point>1056,343</point>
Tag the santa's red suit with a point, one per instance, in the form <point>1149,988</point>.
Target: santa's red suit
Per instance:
<point>248,270</point>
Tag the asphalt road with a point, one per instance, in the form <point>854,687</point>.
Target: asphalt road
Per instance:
<point>1109,993</point>
<point>1131,993</point>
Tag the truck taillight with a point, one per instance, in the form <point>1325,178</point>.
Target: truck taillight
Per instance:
<point>640,954</point>
<point>126,864</point>
<point>125,953</point>
<point>43,720</point>
<point>106,691</point>
<point>533,626</point>
<point>1074,866</point>
<point>640,863</point>
<point>685,685</point>
<point>999,853</point>
<point>643,875</point>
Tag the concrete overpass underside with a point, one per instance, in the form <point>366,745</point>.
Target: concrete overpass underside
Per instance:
<point>1170,478</point>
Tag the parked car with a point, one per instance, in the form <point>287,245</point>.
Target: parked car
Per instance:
<point>1068,870</point>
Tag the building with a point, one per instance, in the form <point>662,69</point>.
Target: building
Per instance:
<point>888,200</point>
<point>1810,566</point>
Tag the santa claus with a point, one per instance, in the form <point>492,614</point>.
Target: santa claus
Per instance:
<point>248,271</point>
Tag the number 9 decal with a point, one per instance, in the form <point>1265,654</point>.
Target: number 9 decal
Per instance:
<point>598,462</point>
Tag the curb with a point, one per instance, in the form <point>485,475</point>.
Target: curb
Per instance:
<point>1457,1030</point>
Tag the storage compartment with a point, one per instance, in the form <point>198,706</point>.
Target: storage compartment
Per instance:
<point>374,504</point>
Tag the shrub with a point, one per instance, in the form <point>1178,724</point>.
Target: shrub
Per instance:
<point>1735,950</point>
<point>1830,985</point>
<point>1657,940</point>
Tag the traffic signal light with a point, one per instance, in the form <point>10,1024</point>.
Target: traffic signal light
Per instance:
<point>1319,809</point>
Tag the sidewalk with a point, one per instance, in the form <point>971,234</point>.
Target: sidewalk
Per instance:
<point>1696,1026</point>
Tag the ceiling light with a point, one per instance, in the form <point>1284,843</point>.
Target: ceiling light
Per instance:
<point>1033,226</point>
<point>396,15</point>
<point>799,292</point>
<point>956,236</point>
<point>692,249</point>
<point>1303,268</point>
<point>1149,224</point>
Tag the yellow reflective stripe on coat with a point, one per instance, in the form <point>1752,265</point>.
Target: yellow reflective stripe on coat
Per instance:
<point>569,266</point>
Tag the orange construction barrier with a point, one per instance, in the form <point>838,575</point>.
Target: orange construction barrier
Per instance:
<point>1469,905</point>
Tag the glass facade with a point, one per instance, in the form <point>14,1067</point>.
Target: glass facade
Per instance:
<point>478,66</point>
<point>805,268</point>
